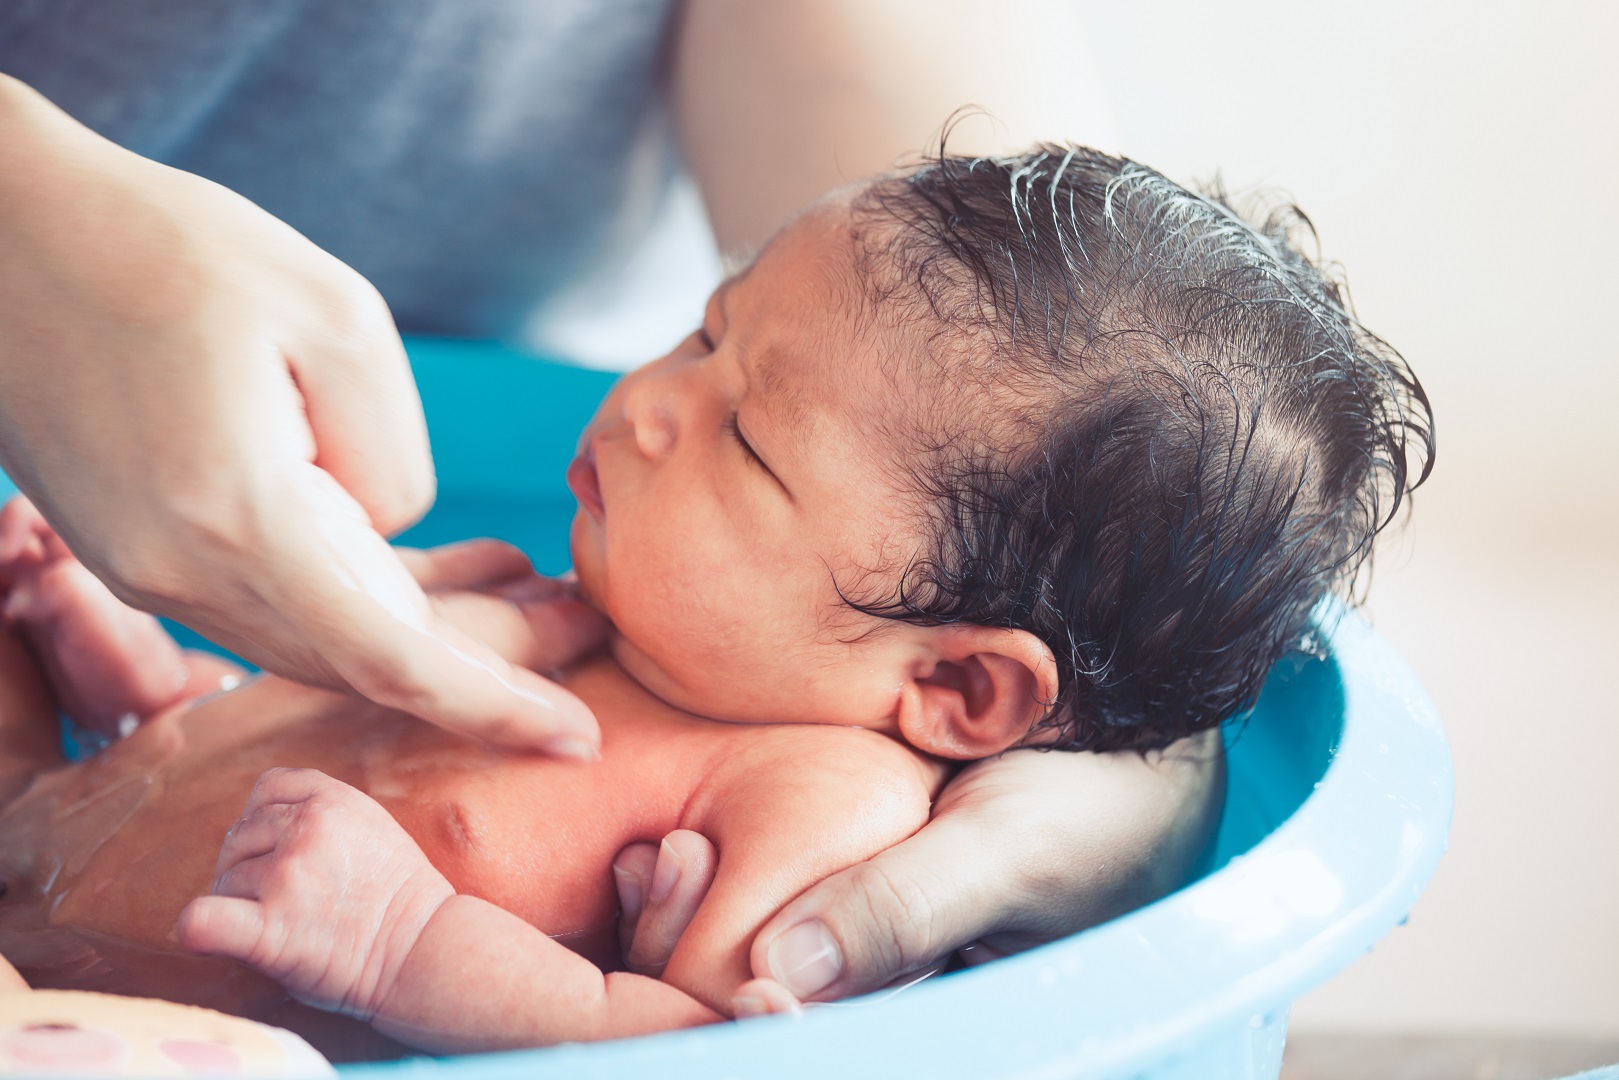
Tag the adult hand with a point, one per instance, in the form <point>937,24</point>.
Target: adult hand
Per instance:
<point>1022,849</point>
<point>219,420</point>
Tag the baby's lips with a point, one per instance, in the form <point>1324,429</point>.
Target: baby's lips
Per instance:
<point>585,483</point>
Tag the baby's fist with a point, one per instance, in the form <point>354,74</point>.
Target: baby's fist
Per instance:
<point>318,887</point>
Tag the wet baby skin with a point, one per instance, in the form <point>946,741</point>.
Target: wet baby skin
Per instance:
<point>730,492</point>
<point>99,858</point>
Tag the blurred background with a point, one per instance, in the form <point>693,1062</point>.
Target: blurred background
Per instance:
<point>1462,161</point>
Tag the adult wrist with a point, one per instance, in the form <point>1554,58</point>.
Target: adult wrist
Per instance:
<point>26,144</point>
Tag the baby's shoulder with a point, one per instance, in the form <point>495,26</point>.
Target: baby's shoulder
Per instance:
<point>789,778</point>
<point>815,750</point>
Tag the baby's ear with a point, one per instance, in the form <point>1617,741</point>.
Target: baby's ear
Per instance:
<point>977,692</point>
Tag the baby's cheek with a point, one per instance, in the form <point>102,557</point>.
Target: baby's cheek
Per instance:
<point>723,616</point>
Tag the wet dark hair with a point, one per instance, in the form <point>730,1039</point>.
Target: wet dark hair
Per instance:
<point>1177,435</point>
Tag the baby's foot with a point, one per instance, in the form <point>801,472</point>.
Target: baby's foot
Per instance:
<point>108,665</point>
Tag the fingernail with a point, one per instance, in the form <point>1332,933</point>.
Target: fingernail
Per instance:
<point>571,747</point>
<point>667,872</point>
<point>629,892</point>
<point>806,959</point>
<point>751,1003</point>
<point>745,1005</point>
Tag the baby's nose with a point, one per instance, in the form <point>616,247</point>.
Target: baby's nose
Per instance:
<point>650,407</point>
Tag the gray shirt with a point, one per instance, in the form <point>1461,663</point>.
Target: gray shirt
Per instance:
<point>497,168</point>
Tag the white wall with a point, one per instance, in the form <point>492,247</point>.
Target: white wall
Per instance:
<point>1462,161</point>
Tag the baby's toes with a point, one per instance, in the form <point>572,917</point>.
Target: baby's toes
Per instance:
<point>107,664</point>
<point>23,536</point>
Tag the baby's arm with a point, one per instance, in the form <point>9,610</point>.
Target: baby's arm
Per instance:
<point>318,887</point>
<point>480,978</point>
<point>782,821</point>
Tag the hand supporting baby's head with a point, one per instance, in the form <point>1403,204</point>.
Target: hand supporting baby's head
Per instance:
<point>998,444</point>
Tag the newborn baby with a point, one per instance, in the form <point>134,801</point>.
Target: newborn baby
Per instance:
<point>993,452</point>
<point>99,858</point>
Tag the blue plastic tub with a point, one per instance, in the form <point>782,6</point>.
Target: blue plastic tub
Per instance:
<point>1338,804</point>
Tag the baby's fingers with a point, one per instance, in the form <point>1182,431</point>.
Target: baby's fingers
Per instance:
<point>257,833</point>
<point>222,926</point>
<point>283,785</point>
<point>266,878</point>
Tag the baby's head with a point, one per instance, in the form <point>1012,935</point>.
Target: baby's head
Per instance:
<point>990,450</point>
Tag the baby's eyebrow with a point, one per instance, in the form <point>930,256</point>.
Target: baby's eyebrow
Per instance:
<point>731,281</point>
<point>784,397</point>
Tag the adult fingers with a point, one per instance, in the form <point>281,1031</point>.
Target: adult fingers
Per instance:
<point>234,469</point>
<point>763,997</point>
<point>336,605</point>
<point>672,891</point>
<point>459,683</point>
<point>1023,848</point>
<point>362,406</point>
<point>561,626</point>
<point>206,673</point>
<point>889,917</point>
<point>632,876</point>
<point>471,564</point>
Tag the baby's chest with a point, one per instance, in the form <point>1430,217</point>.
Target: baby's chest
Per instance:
<point>538,838</point>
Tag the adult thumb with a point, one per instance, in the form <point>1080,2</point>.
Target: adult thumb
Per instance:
<point>895,915</point>
<point>363,410</point>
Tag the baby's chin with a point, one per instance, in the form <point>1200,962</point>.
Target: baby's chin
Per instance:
<point>586,564</point>
<point>636,661</point>
<point>654,680</point>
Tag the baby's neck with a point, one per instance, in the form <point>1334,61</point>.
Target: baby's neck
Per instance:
<point>633,660</point>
